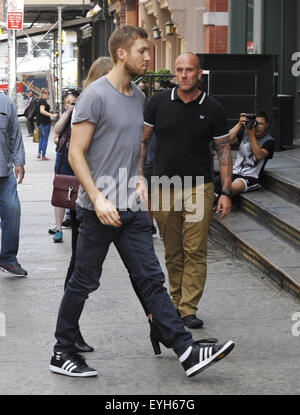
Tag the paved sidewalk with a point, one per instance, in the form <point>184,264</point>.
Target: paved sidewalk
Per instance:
<point>238,304</point>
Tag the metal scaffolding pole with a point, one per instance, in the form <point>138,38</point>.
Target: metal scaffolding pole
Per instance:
<point>60,58</point>
<point>12,66</point>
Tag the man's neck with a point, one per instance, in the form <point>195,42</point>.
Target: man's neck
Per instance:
<point>188,96</point>
<point>120,79</point>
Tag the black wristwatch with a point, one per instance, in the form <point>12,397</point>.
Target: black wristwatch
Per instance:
<point>228,194</point>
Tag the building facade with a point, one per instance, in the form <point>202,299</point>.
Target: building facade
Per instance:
<point>177,26</point>
<point>270,27</point>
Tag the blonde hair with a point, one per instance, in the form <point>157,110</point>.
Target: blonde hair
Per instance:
<point>100,67</point>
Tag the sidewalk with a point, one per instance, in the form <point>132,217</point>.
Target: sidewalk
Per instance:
<point>238,303</point>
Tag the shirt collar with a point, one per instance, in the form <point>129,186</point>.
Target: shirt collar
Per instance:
<point>175,97</point>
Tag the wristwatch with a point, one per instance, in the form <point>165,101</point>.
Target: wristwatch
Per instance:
<point>228,194</point>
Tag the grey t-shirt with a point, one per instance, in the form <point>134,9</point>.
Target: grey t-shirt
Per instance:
<point>113,154</point>
<point>246,163</point>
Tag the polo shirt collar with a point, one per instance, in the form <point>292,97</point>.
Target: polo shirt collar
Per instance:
<point>174,96</point>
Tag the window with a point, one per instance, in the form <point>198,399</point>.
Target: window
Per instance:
<point>22,49</point>
<point>42,49</point>
<point>250,23</point>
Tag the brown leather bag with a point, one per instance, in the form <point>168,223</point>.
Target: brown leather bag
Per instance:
<point>65,190</point>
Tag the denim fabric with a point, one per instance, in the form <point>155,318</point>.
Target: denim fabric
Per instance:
<point>44,134</point>
<point>65,167</point>
<point>10,213</point>
<point>133,240</point>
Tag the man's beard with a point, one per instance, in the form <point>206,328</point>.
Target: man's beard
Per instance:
<point>132,71</point>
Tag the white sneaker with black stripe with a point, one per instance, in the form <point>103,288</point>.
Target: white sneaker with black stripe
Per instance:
<point>200,356</point>
<point>70,364</point>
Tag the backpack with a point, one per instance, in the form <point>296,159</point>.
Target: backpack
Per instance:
<point>35,110</point>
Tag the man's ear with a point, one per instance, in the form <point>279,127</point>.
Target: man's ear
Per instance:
<point>121,54</point>
<point>200,72</point>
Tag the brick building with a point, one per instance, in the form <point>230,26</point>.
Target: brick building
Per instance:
<point>176,26</point>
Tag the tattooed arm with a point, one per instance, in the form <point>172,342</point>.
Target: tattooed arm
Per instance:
<point>222,147</point>
<point>141,188</point>
<point>147,133</point>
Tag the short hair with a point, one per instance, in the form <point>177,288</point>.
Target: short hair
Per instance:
<point>262,114</point>
<point>123,37</point>
<point>198,61</point>
<point>100,67</point>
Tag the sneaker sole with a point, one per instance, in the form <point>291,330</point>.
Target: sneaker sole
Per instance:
<point>66,373</point>
<point>10,274</point>
<point>57,242</point>
<point>226,349</point>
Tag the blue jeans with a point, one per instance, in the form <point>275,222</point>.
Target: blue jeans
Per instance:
<point>134,242</point>
<point>65,167</point>
<point>44,134</point>
<point>10,213</point>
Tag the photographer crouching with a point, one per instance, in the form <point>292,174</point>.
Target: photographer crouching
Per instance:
<point>256,148</point>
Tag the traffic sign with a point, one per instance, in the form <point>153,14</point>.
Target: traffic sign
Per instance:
<point>15,14</point>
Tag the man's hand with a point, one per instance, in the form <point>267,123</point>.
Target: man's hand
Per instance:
<point>19,173</point>
<point>107,212</point>
<point>242,120</point>
<point>141,190</point>
<point>224,203</point>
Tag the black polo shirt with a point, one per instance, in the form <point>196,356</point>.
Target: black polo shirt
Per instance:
<point>184,133</point>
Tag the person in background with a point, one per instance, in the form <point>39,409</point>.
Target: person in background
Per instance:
<point>28,113</point>
<point>186,121</point>
<point>43,121</point>
<point>62,130</point>
<point>12,161</point>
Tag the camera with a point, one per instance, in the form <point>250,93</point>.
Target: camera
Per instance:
<point>251,121</point>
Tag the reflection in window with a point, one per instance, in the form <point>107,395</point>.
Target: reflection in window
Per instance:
<point>250,22</point>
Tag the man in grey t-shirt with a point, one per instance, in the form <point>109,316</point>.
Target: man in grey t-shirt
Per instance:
<point>256,148</point>
<point>118,124</point>
<point>104,155</point>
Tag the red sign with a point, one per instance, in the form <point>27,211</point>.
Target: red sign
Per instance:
<point>15,12</point>
<point>4,87</point>
<point>15,20</point>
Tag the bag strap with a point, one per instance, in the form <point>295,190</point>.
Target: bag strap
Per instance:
<point>64,147</point>
<point>61,158</point>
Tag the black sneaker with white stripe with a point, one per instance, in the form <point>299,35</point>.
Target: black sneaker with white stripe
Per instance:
<point>199,356</point>
<point>70,364</point>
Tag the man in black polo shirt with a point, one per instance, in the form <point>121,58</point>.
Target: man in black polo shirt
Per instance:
<point>187,122</point>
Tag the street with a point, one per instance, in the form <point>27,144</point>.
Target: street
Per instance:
<point>239,303</point>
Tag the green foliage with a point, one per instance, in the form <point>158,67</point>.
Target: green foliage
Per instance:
<point>155,78</point>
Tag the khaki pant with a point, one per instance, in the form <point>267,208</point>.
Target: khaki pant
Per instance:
<point>185,234</point>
